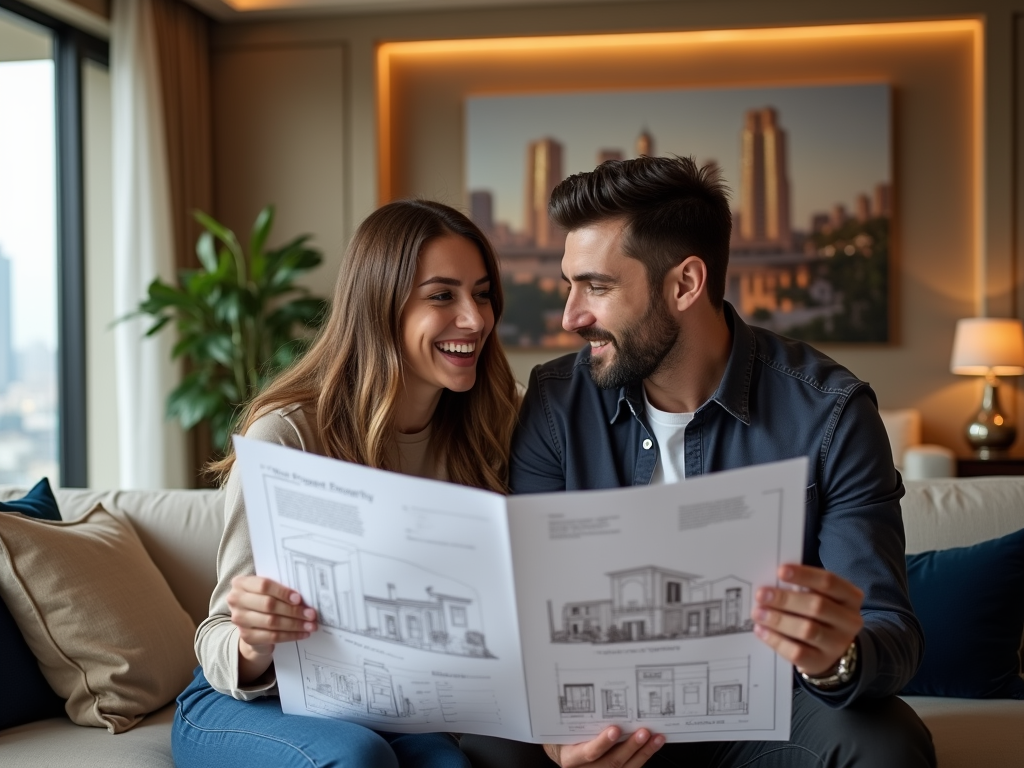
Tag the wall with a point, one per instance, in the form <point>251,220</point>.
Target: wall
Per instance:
<point>955,177</point>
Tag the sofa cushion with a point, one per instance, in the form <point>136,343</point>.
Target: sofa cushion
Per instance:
<point>97,614</point>
<point>62,744</point>
<point>20,672</point>
<point>970,601</point>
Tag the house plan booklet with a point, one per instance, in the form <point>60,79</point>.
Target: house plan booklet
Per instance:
<point>539,618</point>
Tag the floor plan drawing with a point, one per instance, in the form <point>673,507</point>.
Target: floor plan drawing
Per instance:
<point>385,598</point>
<point>653,603</point>
<point>655,691</point>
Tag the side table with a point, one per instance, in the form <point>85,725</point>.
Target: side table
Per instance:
<point>982,467</point>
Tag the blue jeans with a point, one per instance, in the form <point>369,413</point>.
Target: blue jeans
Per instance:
<point>211,729</point>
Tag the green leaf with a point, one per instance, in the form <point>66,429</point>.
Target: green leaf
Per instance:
<point>258,238</point>
<point>155,328</point>
<point>207,251</point>
<point>218,230</point>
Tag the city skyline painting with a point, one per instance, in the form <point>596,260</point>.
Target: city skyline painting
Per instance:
<point>809,174</point>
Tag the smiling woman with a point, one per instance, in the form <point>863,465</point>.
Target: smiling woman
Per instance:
<point>406,375</point>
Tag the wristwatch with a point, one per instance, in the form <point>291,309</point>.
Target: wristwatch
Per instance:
<point>839,675</point>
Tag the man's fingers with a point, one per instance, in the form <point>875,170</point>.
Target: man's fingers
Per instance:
<point>823,582</point>
<point>587,752</point>
<point>804,615</point>
<point>802,656</point>
<point>646,748</point>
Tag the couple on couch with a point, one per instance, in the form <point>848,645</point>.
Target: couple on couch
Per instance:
<point>406,376</point>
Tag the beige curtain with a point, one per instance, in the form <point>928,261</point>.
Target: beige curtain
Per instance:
<point>182,35</point>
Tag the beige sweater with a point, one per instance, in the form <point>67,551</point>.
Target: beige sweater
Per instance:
<point>217,638</point>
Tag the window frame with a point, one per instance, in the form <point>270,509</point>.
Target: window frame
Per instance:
<point>71,49</point>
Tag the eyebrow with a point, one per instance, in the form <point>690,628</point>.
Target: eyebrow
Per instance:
<point>590,277</point>
<point>451,281</point>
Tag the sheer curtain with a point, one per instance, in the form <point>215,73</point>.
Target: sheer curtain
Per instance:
<point>152,449</point>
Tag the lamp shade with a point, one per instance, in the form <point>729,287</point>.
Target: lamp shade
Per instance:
<point>988,345</point>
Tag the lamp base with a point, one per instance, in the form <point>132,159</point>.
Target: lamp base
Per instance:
<point>990,433</point>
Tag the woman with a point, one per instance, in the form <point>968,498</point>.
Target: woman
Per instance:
<point>405,376</point>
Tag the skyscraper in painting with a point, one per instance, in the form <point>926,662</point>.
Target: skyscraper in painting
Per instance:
<point>764,184</point>
<point>543,172</point>
<point>481,209</point>
<point>6,331</point>
<point>645,144</point>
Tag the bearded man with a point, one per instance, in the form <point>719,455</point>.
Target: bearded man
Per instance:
<point>674,385</point>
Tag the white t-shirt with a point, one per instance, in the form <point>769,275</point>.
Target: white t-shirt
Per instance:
<point>668,429</point>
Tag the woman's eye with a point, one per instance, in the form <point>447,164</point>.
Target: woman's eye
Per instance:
<point>442,296</point>
<point>485,295</point>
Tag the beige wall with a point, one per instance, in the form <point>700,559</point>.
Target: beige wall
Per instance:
<point>949,265</point>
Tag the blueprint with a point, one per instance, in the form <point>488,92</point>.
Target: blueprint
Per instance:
<point>540,618</point>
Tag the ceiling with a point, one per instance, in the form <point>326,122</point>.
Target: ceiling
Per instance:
<point>234,10</point>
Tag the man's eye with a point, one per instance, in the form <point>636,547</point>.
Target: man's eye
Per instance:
<point>596,289</point>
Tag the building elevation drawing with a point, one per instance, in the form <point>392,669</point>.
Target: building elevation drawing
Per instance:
<point>386,598</point>
<point>652,691</point>
<point>652,603</point>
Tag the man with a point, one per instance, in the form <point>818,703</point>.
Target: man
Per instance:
<point>674,385</point>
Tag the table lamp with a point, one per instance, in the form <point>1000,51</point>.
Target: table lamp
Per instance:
<point>989,347</point>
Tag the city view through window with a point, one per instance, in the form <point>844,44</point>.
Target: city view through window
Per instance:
<point>28,255</point>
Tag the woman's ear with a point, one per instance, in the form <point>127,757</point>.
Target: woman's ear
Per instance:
<point>687,282</point>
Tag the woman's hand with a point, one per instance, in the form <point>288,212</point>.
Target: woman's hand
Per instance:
<point>603,751</point>
<point>266,613</point>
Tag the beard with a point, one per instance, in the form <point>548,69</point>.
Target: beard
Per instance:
<point>640,347</point>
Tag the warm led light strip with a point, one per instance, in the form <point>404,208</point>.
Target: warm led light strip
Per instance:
<point>647,39</point>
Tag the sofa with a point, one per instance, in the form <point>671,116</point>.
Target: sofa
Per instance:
<point>180,531</point>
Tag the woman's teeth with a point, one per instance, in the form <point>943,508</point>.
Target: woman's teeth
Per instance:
<point>462,349</point>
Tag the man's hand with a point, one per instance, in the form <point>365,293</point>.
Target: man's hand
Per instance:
<point>810,628</point>
<point>604,751</point>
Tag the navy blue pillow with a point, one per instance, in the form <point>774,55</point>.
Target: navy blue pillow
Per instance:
<point>970,601</point>
<point>27,696</point>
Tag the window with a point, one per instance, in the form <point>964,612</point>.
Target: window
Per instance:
<point>42,308</point>
<point>458,616</point>
<point>673,592</point>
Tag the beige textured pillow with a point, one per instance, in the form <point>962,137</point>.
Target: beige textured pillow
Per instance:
<point>108,632</point>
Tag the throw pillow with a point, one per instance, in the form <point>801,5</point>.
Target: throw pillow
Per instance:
<point>35,699</point>
<point>970,601</point>
<point>108,632</point>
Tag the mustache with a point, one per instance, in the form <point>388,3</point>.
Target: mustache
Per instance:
<point>595,334</point>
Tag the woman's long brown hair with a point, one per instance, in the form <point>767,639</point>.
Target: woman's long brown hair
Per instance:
<point>353,373</point>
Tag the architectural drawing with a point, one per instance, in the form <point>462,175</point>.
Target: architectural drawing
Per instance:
<point>653,691</point>
<point>652,603</point>
<point>385,598</point>
<point>341,688</point>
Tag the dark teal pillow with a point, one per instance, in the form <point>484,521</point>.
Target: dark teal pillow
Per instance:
<point>970,601</point>
<point>27,696</point>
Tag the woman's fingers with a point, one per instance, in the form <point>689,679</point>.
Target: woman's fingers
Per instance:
<point>268,612</point>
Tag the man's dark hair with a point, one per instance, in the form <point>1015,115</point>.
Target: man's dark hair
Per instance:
<point>672,209</point>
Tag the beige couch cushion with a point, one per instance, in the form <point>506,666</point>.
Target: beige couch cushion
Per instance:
<point>59,743</point>
<point>98,615</point>
<point>959,512</point>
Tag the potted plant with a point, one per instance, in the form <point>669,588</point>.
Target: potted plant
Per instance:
<point>240,319</point>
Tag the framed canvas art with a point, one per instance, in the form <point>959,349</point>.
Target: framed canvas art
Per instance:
<point>809,173</point>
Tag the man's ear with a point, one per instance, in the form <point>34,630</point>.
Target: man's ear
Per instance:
<point>687,282</point>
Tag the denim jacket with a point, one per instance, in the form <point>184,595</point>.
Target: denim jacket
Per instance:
<point>778,399</point>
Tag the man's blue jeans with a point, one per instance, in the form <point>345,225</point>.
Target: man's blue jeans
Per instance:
<point>211,729</point>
